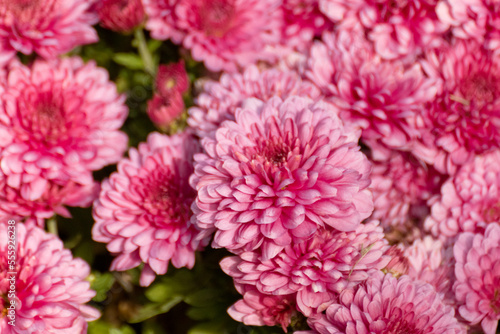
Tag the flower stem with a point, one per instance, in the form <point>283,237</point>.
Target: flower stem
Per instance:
<point>147,58</point>
<point>52,225</point>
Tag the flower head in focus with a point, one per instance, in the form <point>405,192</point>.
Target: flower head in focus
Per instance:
<point>143,211</point>
<point>278,173</point>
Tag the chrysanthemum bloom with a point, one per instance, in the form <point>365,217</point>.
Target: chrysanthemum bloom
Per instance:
<point>316,269</point>
<point>120,15</point>
<point>59,121</point>
<point>469,201</point>
<point>163,110</point>
<point>258,309</point>
<point>172,78</point>
<point>464,119</point>
<point>479,19</point>
<point>219,99</point>
<point>51,287</point>
<point>224,34</point>
<point>39,201</point>
<point>277,173</point>
<point>398,28</point>
<point>382,98</point>
<point>398,264</point>
<point>401,186</point>
<point>385,304</point>
<point>430,261</point>
<point>143,210</point>
<point>48,27</point>
<point>477,271</point>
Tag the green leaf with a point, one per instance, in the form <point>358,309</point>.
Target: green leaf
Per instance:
<point>129,60</point>
<point>150,310</point>
<point>160,292</point>
<point>101,327</point>
<point>203,297</point>
<point>154,45</point>
<point>208,328</point>
<point>101,283</point>
<point>203,313</point>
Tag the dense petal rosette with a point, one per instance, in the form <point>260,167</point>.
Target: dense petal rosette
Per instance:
<point>51,287</point>
<point>469,200</point>
<point>387,305</point>
<point>60,121</point>
<point>316,269</point>
<point>464,119</point>
<point>477,271</point>
<point>47,27</point>
<point>277,173</point>
<point>143,211</point>
<point>381,97</point>
<point>120,15</point>
<point>397,28</point>
<point>224,34</point>
<point>219,99</point>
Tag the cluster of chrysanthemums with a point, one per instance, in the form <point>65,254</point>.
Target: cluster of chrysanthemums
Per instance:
<point>348,156</point>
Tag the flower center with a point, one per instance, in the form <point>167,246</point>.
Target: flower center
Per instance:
<point>478,90</point>
<point>165,195</point>
<point>274,151</point>
<point>47,120</point>
<point>217,17</point>
<point>399,325</point>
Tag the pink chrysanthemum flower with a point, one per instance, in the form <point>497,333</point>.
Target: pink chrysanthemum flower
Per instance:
<point>277,173</point>
<point>163,110</point>
<point>143,210</point>
<point>51,290</point>
<point>469,201</point>
<point>172,78</point>
<point>258,309</point>
<point>120,15</point>
<point>48,27</point>
<point>431,262</point>
<point>383,98</point>
<point>401,186</point>
<point>59,120</point>
<point>398,28</point>
<point>464,119</point>
<point>40,201</point>
<point>316,269</point>
<point>224,34</point>
<point>219,99</point>
<point>476,19</point>
<point>385,304</point>
<point>477,271</point>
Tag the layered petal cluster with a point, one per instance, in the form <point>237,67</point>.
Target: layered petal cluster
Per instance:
<point>51,287</point>
<point>401,186</point>
<point>398,29</point>
<point>477,271</point>
<point>143,211</point>
<point>479,19</point>
<point>278,173</point>
<point>469,200</point>
<point>224,34</point>
<point>259,309</point>
<point>120,15</point>
<point>219,99</point>
<point>430,261</point>
<point>317,269</point>
<point>464,119</point>
<point>59,121</point>
<point>383,98</point>
<point>47,27</point>
<point>385,304</point>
